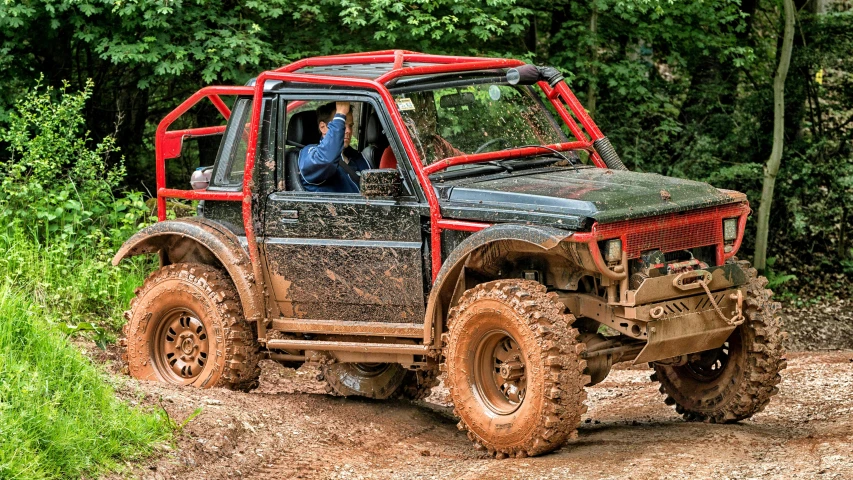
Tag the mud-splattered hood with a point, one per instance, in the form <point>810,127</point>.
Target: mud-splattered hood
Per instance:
<point>571,198</point>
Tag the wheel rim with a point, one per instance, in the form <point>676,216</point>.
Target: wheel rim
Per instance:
<point>499,372</point>
<point>710,364</point>
<point>182,347</point>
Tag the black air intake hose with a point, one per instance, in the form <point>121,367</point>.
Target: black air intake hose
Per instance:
<point>550,75</point>
<point>530,74</point>
<point>608,154</point>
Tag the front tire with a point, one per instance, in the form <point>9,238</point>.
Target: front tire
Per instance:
<point>513,368</point>
<point>737,380</point>
<point>185,327</point>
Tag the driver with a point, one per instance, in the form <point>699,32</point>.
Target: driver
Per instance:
<point>332,166</point>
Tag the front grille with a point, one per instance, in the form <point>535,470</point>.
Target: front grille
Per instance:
<point>668,233</point>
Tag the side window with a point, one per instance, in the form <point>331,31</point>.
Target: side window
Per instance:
<point>303,129</point>
<point>232,154</point>
<point>365,141</point>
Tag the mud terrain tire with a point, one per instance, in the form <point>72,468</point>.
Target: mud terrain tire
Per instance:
<point>371,380</point>
<point>188,316</point>
<point>418,384</point>
<point>737,380</point>
<point>519,321</point>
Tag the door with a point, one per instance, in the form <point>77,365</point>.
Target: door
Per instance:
<point>340,256</point>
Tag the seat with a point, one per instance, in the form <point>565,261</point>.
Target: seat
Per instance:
<point>388,160</point>
<point>376,141</point>
<point>301,131</point>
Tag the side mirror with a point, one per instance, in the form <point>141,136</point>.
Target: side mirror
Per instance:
<point>200,178</point>
<point>381,182</point>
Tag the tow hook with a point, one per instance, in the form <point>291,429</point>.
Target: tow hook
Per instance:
<point>737,315</point>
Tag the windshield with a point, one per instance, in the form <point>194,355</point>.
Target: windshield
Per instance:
<point>447,122</point>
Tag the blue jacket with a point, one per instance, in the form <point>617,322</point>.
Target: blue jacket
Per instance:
<point>319,165</point>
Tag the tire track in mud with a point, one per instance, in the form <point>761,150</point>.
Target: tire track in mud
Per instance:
<point>286,429</point>
<point>338,455</point>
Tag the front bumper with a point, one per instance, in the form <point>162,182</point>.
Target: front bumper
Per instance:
<point>687,325</point>
<point>671,313</point>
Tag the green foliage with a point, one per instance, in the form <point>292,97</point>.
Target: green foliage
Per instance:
<point>176,427</point>
<point>74,286</point>
<point>55,185</point>
<point>62,222</point>
<point>58,416</point>
<point>100,335</point>
<point>776,279</point>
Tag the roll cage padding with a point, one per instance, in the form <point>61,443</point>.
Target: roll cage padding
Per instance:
<point>199,240</point>
<point>530,238</point>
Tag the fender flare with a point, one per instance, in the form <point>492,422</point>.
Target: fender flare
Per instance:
<point>445,289</point>
<point>203,239</point>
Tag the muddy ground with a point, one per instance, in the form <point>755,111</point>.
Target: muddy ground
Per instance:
<point>288,429</point>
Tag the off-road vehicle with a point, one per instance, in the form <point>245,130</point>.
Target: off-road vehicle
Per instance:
<point>484,243</point>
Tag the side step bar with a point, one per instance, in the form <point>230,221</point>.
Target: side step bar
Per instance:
<point>348,346</point>
<point>336,327</point>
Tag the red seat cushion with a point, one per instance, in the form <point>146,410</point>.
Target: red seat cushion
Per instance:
<point>388,159</point>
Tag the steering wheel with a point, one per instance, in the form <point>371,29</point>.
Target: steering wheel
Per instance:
<point>482,147</point>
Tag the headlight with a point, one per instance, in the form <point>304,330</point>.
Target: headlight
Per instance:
<point>730,229</point>
<point>613,250</point>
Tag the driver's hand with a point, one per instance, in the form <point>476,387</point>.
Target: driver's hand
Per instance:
<point>342,107</point>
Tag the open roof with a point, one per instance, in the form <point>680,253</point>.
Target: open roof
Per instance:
<point>387,65</point>
<point>366,70</point>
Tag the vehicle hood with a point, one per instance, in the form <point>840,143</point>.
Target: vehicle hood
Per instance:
<point>575,197</point>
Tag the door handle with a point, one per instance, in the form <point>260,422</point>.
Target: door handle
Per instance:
<point>289,216</point>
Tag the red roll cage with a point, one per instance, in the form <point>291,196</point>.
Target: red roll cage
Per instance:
<point>168,143</point>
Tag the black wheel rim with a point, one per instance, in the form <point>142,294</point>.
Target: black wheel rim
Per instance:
<point>710,364</point>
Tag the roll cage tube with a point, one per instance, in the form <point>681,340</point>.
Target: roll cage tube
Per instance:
<point>559,95</point>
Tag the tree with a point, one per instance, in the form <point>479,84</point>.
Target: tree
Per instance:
<point>771,169</point>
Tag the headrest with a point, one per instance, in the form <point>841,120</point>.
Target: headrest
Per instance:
<point>302,128</point>
<point>373,131</point>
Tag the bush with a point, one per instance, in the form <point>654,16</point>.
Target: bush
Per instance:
<point>56,185</point>
<point>58,416</point>
<point>73,286</point>
<point>62,221</point>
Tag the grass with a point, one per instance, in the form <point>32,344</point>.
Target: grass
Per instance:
<point>73,284</point>
<point>59,418</point>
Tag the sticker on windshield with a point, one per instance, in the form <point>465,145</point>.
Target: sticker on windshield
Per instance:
<point>405,104</point>
<point>494,93</point>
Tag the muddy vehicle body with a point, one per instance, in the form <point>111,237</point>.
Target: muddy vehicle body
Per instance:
<point>521,263</point>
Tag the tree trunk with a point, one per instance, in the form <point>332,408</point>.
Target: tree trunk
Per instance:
<point>593,31</point>
<point>771,169</point>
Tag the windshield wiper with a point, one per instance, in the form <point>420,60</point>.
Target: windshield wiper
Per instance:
<point>567,159</point>
<point>499,163</point>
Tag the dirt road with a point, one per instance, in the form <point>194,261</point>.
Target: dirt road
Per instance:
<point>287,429</point>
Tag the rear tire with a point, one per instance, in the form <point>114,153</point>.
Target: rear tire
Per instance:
<point>418,384</point>
<point>737,380</point>
<point>371,380</point>
<point>185,327</point>
<point>513,368</point>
